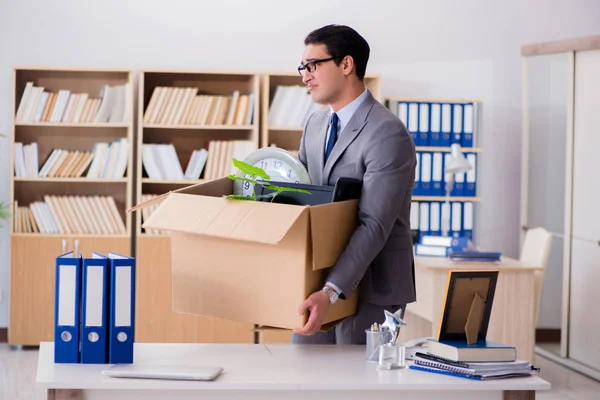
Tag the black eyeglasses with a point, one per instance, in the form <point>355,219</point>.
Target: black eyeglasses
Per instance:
<point>311,66</point>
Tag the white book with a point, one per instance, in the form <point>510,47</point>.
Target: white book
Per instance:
<point>61,105</point>
<point>106,97</point>
<point>173,161</point>
<point>37,116</point>
<point>100,153</point>
<point>23,103</point>
<point>122,158</point>
<point>69,108</point>
<point>149,162</point>
<point>118,105</point>
<point>19,160</point>
<point>232,107</point>
<point>83,97</point>
<point>34,160</point>
<point>32,99</point>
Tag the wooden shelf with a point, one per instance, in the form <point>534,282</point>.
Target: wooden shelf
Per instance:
<point>448,149</point>
<point>72,235</point>
<point>70,125</point>
<point>78,204</point>
<point>202,127</point>
<point>168,182</point>
<point>72,180</point>
<point>287,128</point>
<point>443,198</point>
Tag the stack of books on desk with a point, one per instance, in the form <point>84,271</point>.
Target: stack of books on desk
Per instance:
<point>482,361</point>
<point>477,371</point>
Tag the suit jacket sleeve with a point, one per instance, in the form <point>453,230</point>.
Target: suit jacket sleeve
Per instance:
<point>302,150</point>
<point>390,165</point>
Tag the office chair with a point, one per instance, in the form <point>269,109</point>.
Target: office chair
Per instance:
<point>535,252</point>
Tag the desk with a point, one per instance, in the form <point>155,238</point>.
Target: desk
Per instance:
<point>279,371</point>
<point>512,320</point>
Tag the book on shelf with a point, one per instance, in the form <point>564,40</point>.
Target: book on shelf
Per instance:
<point>188,106</point>
<point>38,105</point>
<point>69,215</point>
<point>160,161</point>
<point>105,161</point>
<point>291,106</point>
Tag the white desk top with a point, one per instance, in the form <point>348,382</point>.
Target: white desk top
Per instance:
<point>265,367</point>
<point>505,264</point>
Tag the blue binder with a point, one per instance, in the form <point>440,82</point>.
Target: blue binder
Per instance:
<point>122,309</point>
<point>471,175</point>
<point>437,174</point>
<point>94,310</point>
<point>426,173</point>
<point>413,122</point>
<point>445,140</point>
<point>417,185</point>
<point>423,135</point>
<point>402,112</point>
<point>66,308</point>
<point>435,126</point>
<point>456,219</point>
<point>457,123</point>
<point>468,124</point>
<point>435,218</point>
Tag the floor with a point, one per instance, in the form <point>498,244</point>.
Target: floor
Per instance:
<point>18,368</point>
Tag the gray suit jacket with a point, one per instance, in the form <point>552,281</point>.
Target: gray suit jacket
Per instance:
<point>375,147</point>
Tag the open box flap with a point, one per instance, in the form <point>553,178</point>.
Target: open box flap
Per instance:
<point>216,187</point>
<point>220,217</point>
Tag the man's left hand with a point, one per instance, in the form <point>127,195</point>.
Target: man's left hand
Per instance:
<point>317,305</point>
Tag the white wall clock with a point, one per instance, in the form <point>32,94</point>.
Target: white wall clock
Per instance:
<point>279,164</point>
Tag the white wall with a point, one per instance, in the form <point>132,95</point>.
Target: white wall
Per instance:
<point>467,48</point>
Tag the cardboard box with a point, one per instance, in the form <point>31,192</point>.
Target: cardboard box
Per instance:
<point>251,261</point>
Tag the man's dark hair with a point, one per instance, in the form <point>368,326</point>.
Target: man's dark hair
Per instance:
<point>342,41</point>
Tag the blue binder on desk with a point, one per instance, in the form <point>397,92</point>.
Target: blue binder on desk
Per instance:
<point>122,309</point>
<point>94,310</point>
<point>66,308</point>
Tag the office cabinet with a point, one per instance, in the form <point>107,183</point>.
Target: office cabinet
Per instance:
<point>560,188</point>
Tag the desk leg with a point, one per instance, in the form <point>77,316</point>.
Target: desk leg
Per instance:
<point>519,395</point>
<point>65,394</point>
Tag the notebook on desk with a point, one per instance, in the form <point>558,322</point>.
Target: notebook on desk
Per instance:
<point>171,372</point>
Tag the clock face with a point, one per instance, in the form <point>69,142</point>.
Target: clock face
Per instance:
<point>279,164</point>
<point>278,170</point>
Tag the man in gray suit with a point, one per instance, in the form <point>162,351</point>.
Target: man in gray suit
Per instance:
<point>358,137</point>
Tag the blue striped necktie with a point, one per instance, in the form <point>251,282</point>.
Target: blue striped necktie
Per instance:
<point>333,122</point>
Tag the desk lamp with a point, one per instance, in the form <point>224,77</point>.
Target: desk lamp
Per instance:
<point>457,164</point>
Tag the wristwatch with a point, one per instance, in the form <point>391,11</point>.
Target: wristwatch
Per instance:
<point>333,295</point>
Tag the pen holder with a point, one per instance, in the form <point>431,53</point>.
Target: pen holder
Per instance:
<point>391,356</point>
<point>374,341</point>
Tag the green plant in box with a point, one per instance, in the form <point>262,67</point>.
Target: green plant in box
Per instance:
<point>252,175</point>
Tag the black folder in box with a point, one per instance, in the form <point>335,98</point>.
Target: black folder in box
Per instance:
<point>344,189</point>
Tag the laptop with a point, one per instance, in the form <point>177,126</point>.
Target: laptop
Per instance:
<point>170,372</point>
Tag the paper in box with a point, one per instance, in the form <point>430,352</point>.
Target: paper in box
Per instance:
<point>251,261</point>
